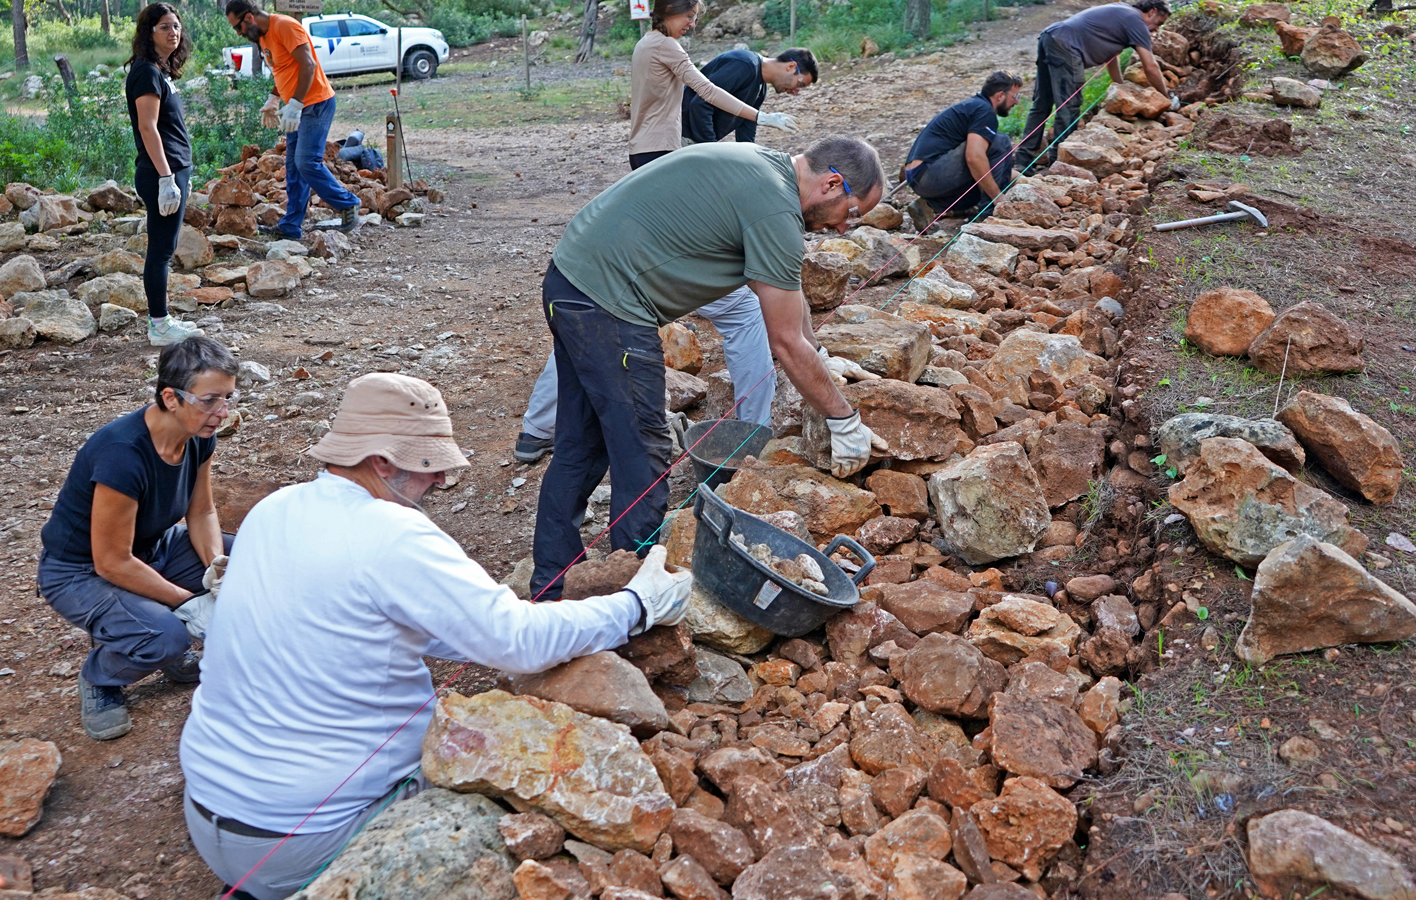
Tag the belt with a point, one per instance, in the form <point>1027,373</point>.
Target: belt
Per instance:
<point>232,826</point>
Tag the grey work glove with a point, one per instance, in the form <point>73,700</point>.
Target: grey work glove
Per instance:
<point>290,116</point>
<point>843,370</point>
<point>851,443</point>
<point>779,121</point>
<point>211,578</point>
<point>196,614</point>
<point>270,118</point>
<point>169,195</point>
<point>1174,102</point>
<point>663,594</point>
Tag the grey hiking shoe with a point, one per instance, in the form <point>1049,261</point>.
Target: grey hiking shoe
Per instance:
<point>921,214</point>
<point>103,711</point>
<point>348,219</point>
<point>530,448</point>
<point>168,330</point>
<point>186,670</point>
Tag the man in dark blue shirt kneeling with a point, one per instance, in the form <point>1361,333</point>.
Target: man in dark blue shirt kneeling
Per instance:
<point>961,158</point>
<point>746,76</point>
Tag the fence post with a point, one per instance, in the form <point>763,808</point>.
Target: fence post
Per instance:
<point>526,54</point>
<point>791,37</point>
<point>66,72</point>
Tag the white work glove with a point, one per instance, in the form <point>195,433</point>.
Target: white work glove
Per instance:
<point>169,195</point>
<point>211,579</point>
<point>663,594</point>
<point>1174,102</point>
<point>851,443</point>
<point>290,116</point>
<point>269,117</point>
<point>779,121</point>
<point>196,614</point>
<point>842,369</point>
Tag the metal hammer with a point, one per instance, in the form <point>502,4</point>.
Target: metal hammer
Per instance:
<point>1240,211</point>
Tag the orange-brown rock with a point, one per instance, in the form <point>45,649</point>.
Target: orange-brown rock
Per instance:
<point>1225,321</point>
<point>27,771</point>
<point>1026,824</point>
<point>1291,38</point>
<point>1045,740</point>
<point>1332,52</point>
<point>1126,99</point>
<point>718,847</point>
<point>1261,14</point>
<point>681,349</point>
<point>1241,505</point>
<point>1357,451</point>
<point>824,277</point>
<point>946,674</point>
<point>951,782</point>
<point>925,606</point>
<point>1309,595</point>
<point>917,832</point>
<point>1311,339</point>
<point>918,422</point>
<point>900,493</point>
<point>232,192</point>
<point>829,507</point>
<point>890,738</point>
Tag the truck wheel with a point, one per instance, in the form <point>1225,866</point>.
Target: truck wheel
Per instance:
<point>420,64</point>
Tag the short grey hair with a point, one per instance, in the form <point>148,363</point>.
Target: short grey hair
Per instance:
<point>179,364</point>
<point>856,160</point>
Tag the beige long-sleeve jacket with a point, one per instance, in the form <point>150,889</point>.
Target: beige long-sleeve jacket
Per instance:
<point>659,71</point>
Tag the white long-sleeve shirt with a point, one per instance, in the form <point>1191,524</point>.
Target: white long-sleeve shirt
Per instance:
<point>313,654</point>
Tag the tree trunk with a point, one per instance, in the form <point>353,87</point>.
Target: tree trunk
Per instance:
<point>103,17</point>
<point>917,18</point>
<point>587,31</point>
<point>18,28</point>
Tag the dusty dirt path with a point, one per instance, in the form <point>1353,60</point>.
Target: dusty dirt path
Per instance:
<point>456,302</point>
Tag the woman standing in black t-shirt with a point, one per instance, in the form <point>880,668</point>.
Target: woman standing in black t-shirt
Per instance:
<point>164,164</point>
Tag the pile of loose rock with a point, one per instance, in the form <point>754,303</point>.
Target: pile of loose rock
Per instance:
<point>82,260</point>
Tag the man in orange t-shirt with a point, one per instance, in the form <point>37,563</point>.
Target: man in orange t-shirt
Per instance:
<point>305,118</point>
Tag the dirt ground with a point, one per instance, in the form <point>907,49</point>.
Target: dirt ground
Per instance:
<point>457,302</point>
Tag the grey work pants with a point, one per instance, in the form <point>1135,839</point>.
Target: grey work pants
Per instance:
<point>738,318</point>
<point>947,182</point>
<point>1060,76</point>
<point>232,856</point>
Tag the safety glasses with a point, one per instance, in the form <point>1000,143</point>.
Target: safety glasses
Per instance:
<point>209,404</point>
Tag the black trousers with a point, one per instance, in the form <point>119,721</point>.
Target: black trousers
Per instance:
<point>1060,76</point>
<point>162,232</point>
<point>609,417</point>
<point>947,183</point>
<point>638,159</point>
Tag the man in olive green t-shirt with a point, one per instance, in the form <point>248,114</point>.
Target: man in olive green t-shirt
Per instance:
<point>670,237</point>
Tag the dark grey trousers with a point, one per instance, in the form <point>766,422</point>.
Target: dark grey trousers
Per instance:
<point>133,635</point>
<point>947,183</point>
<point>1060,76</point>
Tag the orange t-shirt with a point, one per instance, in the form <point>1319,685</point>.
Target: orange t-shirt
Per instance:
<point>283,36</point>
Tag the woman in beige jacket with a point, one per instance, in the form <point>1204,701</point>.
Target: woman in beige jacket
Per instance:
<point>659,71</point>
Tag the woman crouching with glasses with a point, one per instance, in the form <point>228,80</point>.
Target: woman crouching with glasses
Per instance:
<point>115,561</point>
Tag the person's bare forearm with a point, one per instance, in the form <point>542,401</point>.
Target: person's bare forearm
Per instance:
<point>1156,77</point>
<point>136,576</point>
<point>806,330</point>
<point>204,531</point>
<point>307,78</point>
<point>152,143</point>
<point>978,167</point>
<point>1113,68</point>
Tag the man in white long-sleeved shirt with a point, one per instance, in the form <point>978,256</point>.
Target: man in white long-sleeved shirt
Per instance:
<point>314,696</point>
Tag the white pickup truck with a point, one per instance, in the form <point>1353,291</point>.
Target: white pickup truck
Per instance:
<point>349,44</point>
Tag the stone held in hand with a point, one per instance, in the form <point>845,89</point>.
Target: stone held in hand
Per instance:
<point>1354,449</point>
<point>585,772</point>
<point>1294,850</point>
<point>1126,99</point>
<point>886,345</point>
<point>918,423</point>
<point>28,768</point>
<point>1224,321</point>
<point>681,348</point>
<point>1242,506</point>
<point>1308,595</point>
<point>1311,339</point>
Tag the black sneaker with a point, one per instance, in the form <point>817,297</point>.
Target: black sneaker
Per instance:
<point>277,231</point>
<point>921,214</point>
<point>103,711</point>
<point>348,219</point>
<point>529,449</point>
<point>186,670</point>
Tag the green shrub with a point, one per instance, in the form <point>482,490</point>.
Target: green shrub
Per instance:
<point>834,30</point>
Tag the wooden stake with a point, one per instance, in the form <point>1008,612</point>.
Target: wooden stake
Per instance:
<point>394,125</point>
<point>791,36</point>
<point>525,54</point>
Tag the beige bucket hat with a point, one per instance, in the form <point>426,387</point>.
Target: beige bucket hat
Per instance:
<point>400,418</point>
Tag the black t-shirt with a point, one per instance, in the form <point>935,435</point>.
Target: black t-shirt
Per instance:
<point>739,72</point>
<point>121,455</point>
<point>953,126</point>
<point>146,78</point>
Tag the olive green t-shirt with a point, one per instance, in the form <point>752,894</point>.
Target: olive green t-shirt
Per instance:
<point>685,230</point>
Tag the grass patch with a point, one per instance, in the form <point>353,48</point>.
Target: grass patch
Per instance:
<point>456,103</point>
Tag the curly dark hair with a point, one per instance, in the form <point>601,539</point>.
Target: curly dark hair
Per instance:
<point>143,47</point>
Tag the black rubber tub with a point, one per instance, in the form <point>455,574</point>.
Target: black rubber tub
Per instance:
<point>747,587</point>
<point>727,443</point>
